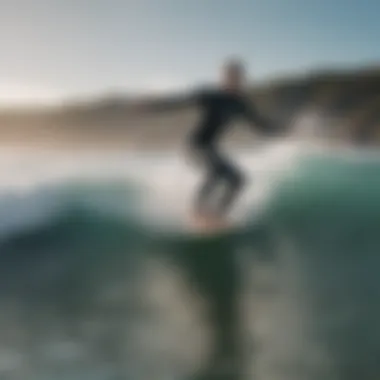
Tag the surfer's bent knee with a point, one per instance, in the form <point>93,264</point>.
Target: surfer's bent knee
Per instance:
<point>236,179</point>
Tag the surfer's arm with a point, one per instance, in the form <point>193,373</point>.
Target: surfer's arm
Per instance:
<point>199,98</point>
<point>256,120</point>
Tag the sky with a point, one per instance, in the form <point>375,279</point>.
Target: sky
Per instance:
<point>57,49</point>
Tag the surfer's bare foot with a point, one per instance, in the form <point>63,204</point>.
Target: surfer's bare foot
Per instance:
<point>209,221</point>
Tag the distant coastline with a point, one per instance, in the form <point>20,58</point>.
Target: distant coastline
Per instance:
<point>345,103</point>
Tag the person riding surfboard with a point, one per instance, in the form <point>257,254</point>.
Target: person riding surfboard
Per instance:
<point>219,107</point>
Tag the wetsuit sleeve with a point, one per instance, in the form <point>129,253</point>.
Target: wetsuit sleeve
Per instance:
<point>257,120</point>
<point>199,98</point>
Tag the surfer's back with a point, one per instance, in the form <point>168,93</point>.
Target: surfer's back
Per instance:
<point>218,109</point>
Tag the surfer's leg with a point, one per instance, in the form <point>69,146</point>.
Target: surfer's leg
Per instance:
<point>203,196</point>
<point>234,184</point>
<point>218,170</point>
<point>199,157</point>
<point>206,158</point>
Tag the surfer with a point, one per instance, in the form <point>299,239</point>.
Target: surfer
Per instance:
<point>219,107</point>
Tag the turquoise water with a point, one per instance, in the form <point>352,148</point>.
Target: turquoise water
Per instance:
<point>89,289</point>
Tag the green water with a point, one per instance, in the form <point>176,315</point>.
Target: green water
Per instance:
<point>83,278</point>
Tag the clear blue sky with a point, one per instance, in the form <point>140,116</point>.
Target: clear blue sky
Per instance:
<point>58,48</point>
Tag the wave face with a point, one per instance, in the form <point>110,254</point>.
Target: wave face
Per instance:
<point>88,289</point>
<point>325,217</point>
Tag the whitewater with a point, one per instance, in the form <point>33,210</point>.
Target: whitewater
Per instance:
<point>99,279</point>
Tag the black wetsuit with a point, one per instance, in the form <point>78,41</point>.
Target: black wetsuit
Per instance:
<point>219,108</point>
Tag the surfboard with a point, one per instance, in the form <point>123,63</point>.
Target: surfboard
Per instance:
<point>207,227</point>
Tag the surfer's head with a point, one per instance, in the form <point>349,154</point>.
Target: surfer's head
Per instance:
<point>233,75</point>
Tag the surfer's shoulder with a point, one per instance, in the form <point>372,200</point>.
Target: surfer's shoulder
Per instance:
<point>205,94</point>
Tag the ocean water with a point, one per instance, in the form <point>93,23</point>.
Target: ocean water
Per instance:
<point>100,279</point>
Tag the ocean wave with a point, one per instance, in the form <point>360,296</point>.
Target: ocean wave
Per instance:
<point>75,252</point>
<point>23,210</point>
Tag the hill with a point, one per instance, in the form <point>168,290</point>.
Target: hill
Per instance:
<point>344,105</point>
